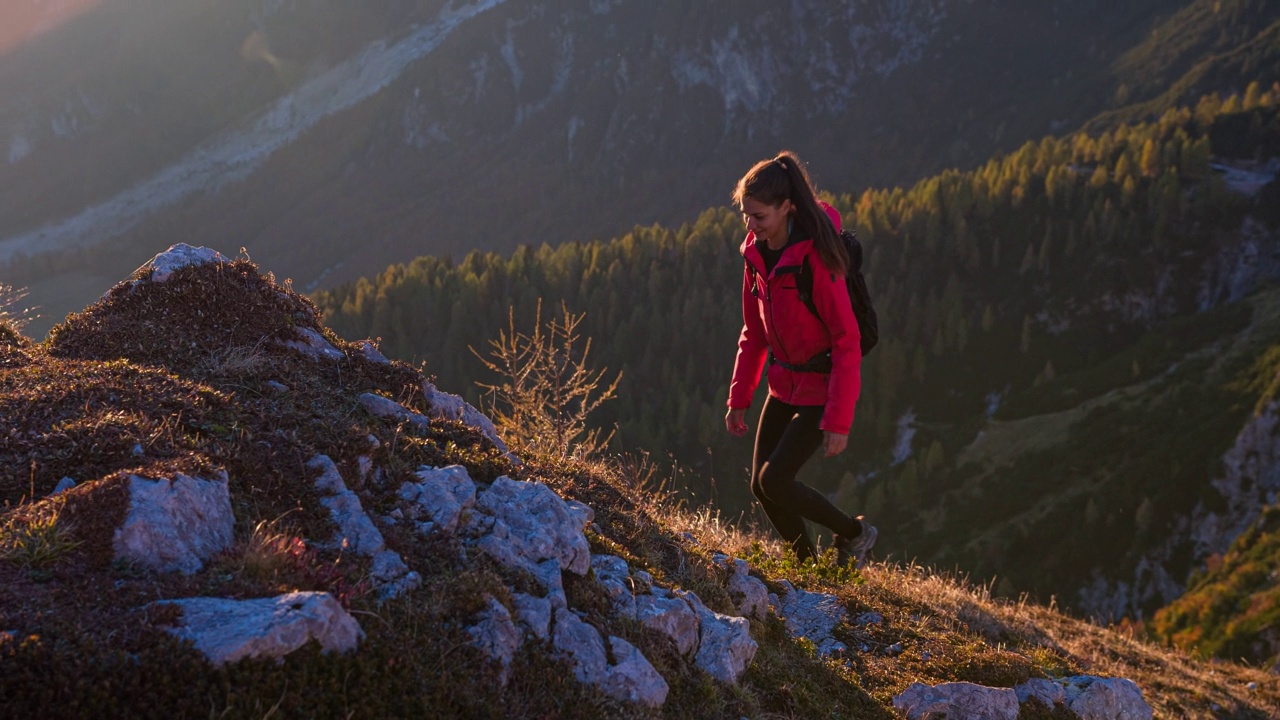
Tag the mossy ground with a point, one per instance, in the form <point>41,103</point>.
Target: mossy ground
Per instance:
<point>181,377</point>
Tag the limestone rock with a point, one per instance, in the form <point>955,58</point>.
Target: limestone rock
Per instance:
<point>813,616</point>
<point>63,485</point>
<point>229,630</point>
<point>369,352</point>
<point>532,524</point>
<point>581,646</point>
<point>497,636</point>
<point>175,525</point>
<point>1094,698</point>
<point>534,613</point>
<point>441,495</point>
<point>750,593</point>
<point>451,407</point>
<point>355,529</point>
<point>957,701</point>
<point>614,576</point>
<point>632,678</point>
<point>357,533</point>
<point>313,345</point>
<point>1048,692</point>
<point>672,617</point>
<point>725,647</point>
<point>179,256</point>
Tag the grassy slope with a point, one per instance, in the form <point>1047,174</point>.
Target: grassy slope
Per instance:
<point>182,370</point>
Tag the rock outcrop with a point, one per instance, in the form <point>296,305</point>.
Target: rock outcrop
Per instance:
<point>1088,697</point>
<point>175,524</point>
<point>229,630</point>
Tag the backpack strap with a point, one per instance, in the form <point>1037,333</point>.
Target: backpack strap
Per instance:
<point>804,283</point>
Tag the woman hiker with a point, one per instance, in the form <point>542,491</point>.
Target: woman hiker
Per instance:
<point>815,363</point>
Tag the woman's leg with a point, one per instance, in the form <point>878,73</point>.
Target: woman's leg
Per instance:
<point>787,437</point>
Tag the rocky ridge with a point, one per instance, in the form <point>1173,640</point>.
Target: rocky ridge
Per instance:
<point>175,520</point>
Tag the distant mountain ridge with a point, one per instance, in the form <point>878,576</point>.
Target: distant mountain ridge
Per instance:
<point>373,137</point>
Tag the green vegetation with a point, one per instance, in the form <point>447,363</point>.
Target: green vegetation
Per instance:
<point>1231,609</point>
<point>1051,278</point>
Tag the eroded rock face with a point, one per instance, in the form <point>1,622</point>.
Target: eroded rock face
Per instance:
<point>358,534</point>
<point>813,616</point>
<point>439,499</point>
<point>174,525</point>
<point>957,701</point>
<point>497,636</point>
<point>725,647</point>
<point>452,407</point>
<point>179,256</point>
<point>1089,697</point>
<point>229,630</point>
<point>533,524</point>
<point>750,593</point>
<point>631,678</point>
<point>1094,698</point>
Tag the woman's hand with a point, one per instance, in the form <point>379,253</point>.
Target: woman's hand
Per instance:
<point>834,443</point>
<point>736,421</point>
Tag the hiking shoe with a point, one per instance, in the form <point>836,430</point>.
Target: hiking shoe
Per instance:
<point>852,551</point>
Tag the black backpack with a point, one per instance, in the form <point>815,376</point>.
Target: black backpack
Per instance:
<point>858,295</point>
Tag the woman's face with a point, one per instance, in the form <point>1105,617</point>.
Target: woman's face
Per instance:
<point>767,221</point>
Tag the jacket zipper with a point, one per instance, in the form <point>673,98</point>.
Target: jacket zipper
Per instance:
<point>768,297</point>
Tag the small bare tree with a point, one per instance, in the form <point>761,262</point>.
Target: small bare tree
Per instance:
<point>547,389</point>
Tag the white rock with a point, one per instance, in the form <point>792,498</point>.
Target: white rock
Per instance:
<point>532,524</point>
<point>313,344</point>
<point>179,256</point>
<point>1094,698</point>
<point>370,353</point>
<point>534,613</point>
<point>451,407</point>
<point>672,617</point>
<point>175,525</point>
<point>63,485</point>
<point>613,575</point>
<point>633,678</point>
<point>750,592</point>
<point>379,406</point>
<point>581,646</point>
<point>551,578</point>
<point>229,630</point>
<point>813,616</point>
<point>442,494</point>
<point>957,701</point>
<point>355,529</point>
<point>725,647</point>
<point>1048,692</point>
<point>358,534</point>
<point>497,636</point>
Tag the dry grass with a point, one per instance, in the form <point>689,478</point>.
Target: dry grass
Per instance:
<point>142,370</point>
<point>37,536</point>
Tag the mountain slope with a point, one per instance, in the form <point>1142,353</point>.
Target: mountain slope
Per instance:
<point>373,137</point>
<point>87,633</point>
<point>1071,339</point>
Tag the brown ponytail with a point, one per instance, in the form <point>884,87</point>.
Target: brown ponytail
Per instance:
<point>784,178</point>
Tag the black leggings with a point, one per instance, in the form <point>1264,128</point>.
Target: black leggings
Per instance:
<point>788,435</point>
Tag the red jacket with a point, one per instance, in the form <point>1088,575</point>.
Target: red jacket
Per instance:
<point>779,321</point>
